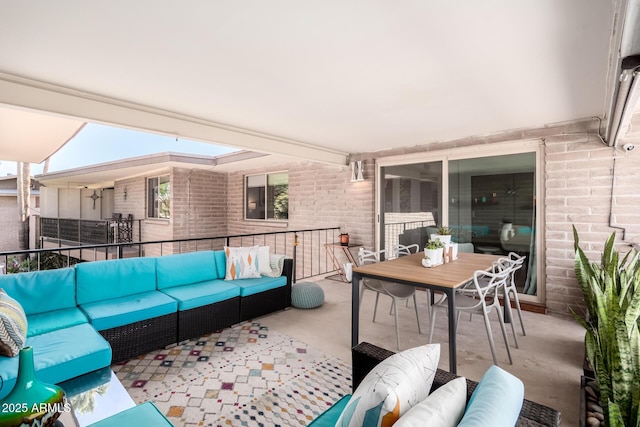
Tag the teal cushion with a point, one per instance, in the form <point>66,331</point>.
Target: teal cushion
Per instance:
<point>221,263</point>
<point>498,398</point>
<point>185,269</point>
<point>103,280</point>
<point>329,417</point>
<point>145,414</point>
<point>41,291</point>
<point>125,310</point>
<point>255,286</point>
<point>60,355</point>
<point>42,323</point>
<point>307,295</point>
<point>201,294</point>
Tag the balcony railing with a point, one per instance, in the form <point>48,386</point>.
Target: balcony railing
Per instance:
<point>306,247</point>
<point>82,231</point>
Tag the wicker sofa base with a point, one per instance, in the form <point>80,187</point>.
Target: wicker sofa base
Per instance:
<point>366,356</point>
<point>206,319</point>
<point>266,302</point>
<point>141,337</point>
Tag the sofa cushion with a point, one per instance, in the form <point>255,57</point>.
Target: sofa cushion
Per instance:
<point>13,325</point>
<point>242,263</point>
<point>443,408</point>
<point>42,323</point>
<point>185,269</point>
<point>42,291</point>
<point>221,263</point>
<point>329,417</point>
<point>498,397</point>
<point>255,286</point>
<point>60,355</point>
<point>103,280</point>
<point>201,294</point>
<point>129,309</point>
<point>392,387</point>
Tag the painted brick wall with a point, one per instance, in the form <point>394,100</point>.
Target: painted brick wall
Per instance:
<point>319,196</point>
<point>580,190</point>
<point>199,203</point>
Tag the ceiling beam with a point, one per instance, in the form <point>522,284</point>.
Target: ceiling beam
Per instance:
<point>35,95</point>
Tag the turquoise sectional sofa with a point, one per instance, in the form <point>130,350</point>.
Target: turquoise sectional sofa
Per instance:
<point>84,318</point>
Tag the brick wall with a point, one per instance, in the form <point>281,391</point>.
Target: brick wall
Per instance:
<point>199,203</point>
<point>579,178</point>
<point>320,196</point>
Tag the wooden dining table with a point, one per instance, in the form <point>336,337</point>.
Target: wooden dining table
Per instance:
<point>408,270</point>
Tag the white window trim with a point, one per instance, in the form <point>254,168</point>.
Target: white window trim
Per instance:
<point>265,221</point>
<point>146,207</point>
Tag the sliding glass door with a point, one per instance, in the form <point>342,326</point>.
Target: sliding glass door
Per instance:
<point>492,206</point>
<point>488,201</point>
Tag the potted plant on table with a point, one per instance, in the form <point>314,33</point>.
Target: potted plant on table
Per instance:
<point>443,234</point>
<point>611,291</point>
<point>433,252</point>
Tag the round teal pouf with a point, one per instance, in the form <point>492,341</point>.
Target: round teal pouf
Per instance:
<point>306,295</point>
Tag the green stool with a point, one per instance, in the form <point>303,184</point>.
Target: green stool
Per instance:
<point>306,295</point>
<point>145,414</point>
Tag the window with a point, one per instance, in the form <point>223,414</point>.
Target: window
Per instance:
<point>159,197</point>
<point>267,196</point>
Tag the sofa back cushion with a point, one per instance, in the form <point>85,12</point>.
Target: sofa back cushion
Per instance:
<point>221,263</point>
<point>42,291</point>
<point>185,269</point>
<point>103,280</point>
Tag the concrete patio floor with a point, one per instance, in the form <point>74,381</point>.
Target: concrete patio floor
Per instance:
<point>549,360</point>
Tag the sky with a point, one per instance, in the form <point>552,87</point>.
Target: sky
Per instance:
<point>99,144</point>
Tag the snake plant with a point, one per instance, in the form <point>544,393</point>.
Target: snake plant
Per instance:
<point>612,296</point>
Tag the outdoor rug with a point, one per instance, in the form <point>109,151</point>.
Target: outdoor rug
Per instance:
<point>245,375</point>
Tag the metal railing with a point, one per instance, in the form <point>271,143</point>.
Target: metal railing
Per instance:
<point>84,232</point>
<point>306,247</point>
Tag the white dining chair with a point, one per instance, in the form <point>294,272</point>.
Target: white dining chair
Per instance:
<point>404,250</point>
<point>480,298</point>
<point>396,291</point>
<point>516,262</point>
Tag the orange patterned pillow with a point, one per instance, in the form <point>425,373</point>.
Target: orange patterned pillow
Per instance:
<point>242,263</point>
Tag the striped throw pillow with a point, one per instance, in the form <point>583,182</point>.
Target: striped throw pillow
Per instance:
<point>13,325</point>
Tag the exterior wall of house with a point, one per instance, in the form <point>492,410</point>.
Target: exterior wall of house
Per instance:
<point>9,222</point>
<point>320,196</point>
<point>135,204</point>
<point>198,207</point>
<point>581,189</point>
<point>199,203</point>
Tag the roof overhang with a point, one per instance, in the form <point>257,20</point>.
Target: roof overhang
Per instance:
<point>32,137</point>
<point>104,175</point>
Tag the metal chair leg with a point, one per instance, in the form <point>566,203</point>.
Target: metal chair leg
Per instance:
<point>415,304</point>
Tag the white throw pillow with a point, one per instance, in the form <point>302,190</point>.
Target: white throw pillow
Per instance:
<point>391,388</point>
<point>242,263</point>
<point>442,408</point>
<point>264,262</point>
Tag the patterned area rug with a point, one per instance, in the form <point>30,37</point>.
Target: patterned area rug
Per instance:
<point>241,376</point>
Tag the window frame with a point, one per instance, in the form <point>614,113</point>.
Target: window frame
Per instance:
<point>156,214</point>
<point>263,198</point>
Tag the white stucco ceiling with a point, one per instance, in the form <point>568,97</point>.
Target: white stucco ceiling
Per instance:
<point>316,80</point>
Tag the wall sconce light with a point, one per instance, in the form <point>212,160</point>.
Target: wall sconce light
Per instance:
<point>356,171</point>
<point>253,206</point>
<point>125,193</point>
